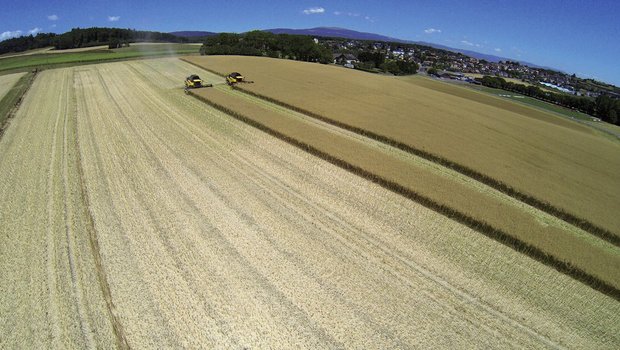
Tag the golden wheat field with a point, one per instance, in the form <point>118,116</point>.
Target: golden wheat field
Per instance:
<point>135,216</point>
<point>558,162</point>
<point>493,101</point>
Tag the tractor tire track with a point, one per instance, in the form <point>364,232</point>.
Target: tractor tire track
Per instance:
<point>121,340</point>
<point>51,304</point>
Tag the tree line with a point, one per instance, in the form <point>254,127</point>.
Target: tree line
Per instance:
<point>113,37</point>
<point>30,42</point>
<point>376,59</point>
<point>77,37</point>
<point>259,43</point>
<point>604,107</point>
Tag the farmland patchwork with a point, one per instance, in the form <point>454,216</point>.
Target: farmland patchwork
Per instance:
<point>135,215</point>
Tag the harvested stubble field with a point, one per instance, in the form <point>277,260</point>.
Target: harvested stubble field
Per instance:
<point>133,214</point>
<point>538,155</point>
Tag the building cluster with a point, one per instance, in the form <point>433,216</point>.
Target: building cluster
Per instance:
<point>450,63</point>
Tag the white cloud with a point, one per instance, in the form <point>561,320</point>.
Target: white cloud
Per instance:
<point>314,10</point>
<point>369,19</point>
<point>350,14</point>
<point>34,31</point>
<point>497,49</point>
<point>432,30</point>
<point>53,25</point>
<point>52,17</point>
<point>354,14</point>
<point>10,34</point>
<point>469,43</point>
<point>114,18</point>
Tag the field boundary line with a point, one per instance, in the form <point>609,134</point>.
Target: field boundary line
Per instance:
<point>121,339</point>
<point>559,213</point>
<point>471,173</point>
<point>15,100</point>
<point>453,214</point>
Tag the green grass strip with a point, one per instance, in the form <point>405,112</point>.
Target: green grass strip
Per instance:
<point>59,60</point>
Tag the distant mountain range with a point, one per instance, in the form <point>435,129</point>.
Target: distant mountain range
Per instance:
<point>352,34</point>
<point>335,32</point>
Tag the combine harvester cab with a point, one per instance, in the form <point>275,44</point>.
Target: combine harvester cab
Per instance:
<point>194,82</point>
<point>236,78</point>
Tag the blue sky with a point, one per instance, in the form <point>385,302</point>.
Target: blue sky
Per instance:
<point>581,37</point>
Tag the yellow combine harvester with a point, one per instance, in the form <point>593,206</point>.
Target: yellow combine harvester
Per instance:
<point>235,78</point>
<point>194,82</point>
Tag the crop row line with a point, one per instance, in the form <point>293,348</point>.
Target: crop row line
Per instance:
<point>469,221</point>
<point>117,327</point>
<point>480,177</point>
<point>546,207</point>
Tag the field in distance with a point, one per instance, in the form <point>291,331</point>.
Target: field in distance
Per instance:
<point>609,130</point>
<point>133,214</point>
<point>55,58</point>
<point>553,160</point>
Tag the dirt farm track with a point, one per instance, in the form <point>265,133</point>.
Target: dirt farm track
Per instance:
<point>137,216</point>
